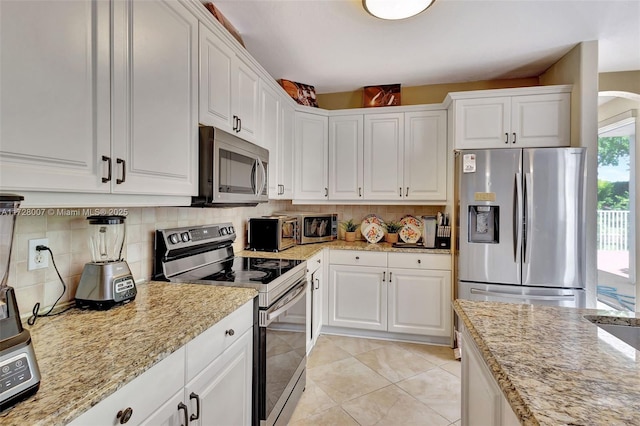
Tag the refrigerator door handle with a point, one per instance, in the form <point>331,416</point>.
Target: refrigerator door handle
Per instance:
<point>528,202</point>
<point>517,220</point>
<point>569,297</point>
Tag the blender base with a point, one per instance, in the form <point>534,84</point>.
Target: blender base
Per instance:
<point>105,285</point>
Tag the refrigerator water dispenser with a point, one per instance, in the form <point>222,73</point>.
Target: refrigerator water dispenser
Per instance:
<point>484,224</point>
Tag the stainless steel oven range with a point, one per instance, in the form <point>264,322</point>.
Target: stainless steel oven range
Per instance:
<point>204,254</point>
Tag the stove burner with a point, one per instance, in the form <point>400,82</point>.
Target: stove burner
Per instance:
<point>246,275</point>
<point>273,264</point>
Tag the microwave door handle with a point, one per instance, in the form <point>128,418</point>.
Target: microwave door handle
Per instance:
<point>254,177</point>
<point>264,177</point>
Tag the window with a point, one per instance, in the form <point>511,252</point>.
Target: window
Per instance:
<point>616,213</point>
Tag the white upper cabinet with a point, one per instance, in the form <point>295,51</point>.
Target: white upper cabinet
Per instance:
<point>425,155</point>
<point>155,98</point>
<point>228,88</point>
<point>526,120</point>
<point>54,95</point>
<point>311,157</point>
<point>91,104</point>
<point>270,134</point>
<point>383,156</point>
<point>405,156</point>
<point>346,143</point>
<point>284,161</point>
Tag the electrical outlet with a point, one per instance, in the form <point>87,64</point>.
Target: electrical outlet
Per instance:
<point>38,259</point>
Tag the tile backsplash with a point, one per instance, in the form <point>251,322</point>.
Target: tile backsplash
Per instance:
<point>67,231</point>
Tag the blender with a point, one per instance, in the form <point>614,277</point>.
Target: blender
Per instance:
<point>19,373</point>
<point>106,281</point>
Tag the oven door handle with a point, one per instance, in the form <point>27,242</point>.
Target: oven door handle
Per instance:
<point>273,314</point>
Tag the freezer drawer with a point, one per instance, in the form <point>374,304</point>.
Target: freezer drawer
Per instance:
<point>573,298</point>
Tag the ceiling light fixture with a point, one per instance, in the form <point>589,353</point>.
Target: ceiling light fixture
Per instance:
<point>395,9</point>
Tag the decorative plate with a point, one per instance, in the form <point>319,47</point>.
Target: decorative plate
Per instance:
<point>409,233</point>
<point>412,220</point>
<point>373,232</point>
<point>372,218</point>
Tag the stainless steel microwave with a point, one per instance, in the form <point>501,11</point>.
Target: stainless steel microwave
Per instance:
<point>272,233</point>
<point>315,227</point>
<point>232,171</point>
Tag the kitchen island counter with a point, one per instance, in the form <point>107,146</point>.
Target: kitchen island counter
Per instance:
<point>306,251</point>
<point>84,356</point>
<point>554,366</point>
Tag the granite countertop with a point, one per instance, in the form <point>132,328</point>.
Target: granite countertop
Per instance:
<point>554,366</point>
<point>84,356</point>
<point>306,251</point>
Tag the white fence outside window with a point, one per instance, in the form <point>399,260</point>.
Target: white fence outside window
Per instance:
<point>613,230</point>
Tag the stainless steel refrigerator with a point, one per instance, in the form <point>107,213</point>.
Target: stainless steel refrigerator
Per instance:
<point>521,235</point>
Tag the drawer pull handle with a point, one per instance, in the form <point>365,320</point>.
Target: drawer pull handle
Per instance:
<point>182,406</point>
<point>230,332</point>
<point>124,415</point>
<point>419,261</point>
<point>195,396</point>
<point>357,257</point>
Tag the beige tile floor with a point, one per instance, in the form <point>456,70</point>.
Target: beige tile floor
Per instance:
<point>354,381</point>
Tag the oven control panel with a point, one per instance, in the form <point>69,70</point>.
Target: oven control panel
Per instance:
<point>190,236</point>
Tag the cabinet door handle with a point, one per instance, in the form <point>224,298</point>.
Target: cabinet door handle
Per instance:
<point>317,284</point>
<point>239,125</point>
<point>108,160</point>
<point>506,138</point>
<point>384,276</point>
<point>182,406</point>
<point>195,396</point>
<point>235,122</point>
<point>407,193</point>
<point>229,332</point>
<point>359,191</point>
<point>124,415</point>
<point>124,170</point>
<point>390,276</point>
<point>400,191</point>
<point>514,137</point>
<point>326,192</point>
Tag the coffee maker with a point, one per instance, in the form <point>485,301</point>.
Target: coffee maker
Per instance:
<point>19,373</point>
<point>106,281</point>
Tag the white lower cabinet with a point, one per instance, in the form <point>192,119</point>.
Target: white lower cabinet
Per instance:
<point>357,297</point>
<point>221,393</point>
<point>482,401</point>
<point>217,369</point>
<point>315,276</point>
<point>396,292</point>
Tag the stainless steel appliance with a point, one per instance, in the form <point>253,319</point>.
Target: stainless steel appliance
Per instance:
<point>204,255</point>
<point>107,280</point>
<point>521,225</point>
<point>232,171</point>
<point>19,373</point>
<point>272,233</point>
<point>315,227</point>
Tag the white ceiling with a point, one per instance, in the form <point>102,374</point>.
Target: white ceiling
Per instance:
<point>336,46</point>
